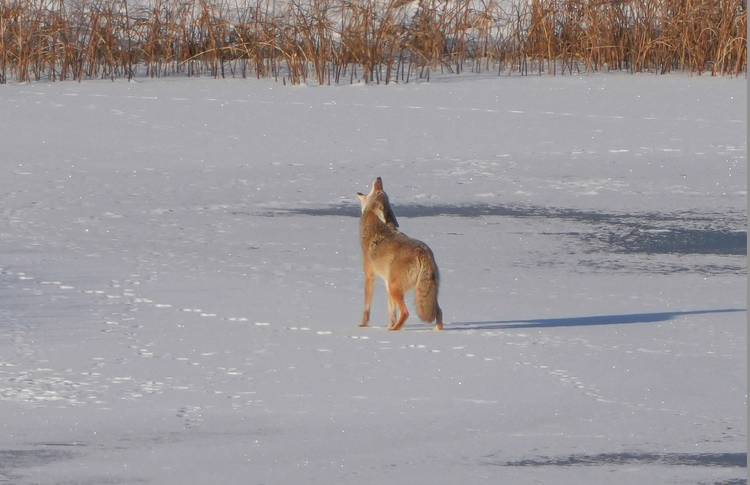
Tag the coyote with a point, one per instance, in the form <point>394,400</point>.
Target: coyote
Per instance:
<point>403,263</point>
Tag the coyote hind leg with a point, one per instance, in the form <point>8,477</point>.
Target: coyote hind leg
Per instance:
<point>439,320</point>
<point>392,315</point>
<point>398,297</point>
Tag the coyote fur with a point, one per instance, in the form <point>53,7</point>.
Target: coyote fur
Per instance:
<point>402,262</point>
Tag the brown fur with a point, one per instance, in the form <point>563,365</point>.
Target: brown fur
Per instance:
<point>402,262</point>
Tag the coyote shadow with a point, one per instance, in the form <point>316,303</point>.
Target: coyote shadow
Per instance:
<point>583,321</point>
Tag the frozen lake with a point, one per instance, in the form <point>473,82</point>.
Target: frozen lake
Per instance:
<point>181,282</point>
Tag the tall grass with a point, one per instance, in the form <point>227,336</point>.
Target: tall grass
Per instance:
<point>334,41</point>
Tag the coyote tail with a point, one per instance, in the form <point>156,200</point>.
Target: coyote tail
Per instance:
<point>426,289</point>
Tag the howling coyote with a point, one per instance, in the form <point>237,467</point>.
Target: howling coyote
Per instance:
<point>403,263</point>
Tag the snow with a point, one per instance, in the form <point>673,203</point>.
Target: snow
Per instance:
<point>180,282</point>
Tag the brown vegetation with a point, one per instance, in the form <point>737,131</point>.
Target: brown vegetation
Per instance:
<point>333,41</point>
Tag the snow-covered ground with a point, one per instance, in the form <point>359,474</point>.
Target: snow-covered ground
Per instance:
<point>180,282</point>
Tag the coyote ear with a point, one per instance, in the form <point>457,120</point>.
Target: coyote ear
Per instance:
<point>390,217</point>
<point>362,200</point>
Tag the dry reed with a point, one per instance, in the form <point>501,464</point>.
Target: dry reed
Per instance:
<point>334,41</point>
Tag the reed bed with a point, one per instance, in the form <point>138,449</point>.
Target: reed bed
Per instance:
<point>338,41</point>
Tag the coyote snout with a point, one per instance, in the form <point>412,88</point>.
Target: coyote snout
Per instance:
<point>402,262</point>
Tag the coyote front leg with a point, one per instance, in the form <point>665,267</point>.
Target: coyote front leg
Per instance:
<point>369,287</point>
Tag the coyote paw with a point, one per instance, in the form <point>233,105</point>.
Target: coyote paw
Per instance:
<point>363,324</point>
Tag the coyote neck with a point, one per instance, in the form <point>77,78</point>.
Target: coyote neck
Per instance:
<point>373,230</point>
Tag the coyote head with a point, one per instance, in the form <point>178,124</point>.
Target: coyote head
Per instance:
<point>377,202</point>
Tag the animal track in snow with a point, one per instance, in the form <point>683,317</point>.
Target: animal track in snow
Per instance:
<point>191,415</point>
<point>46,386</point>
